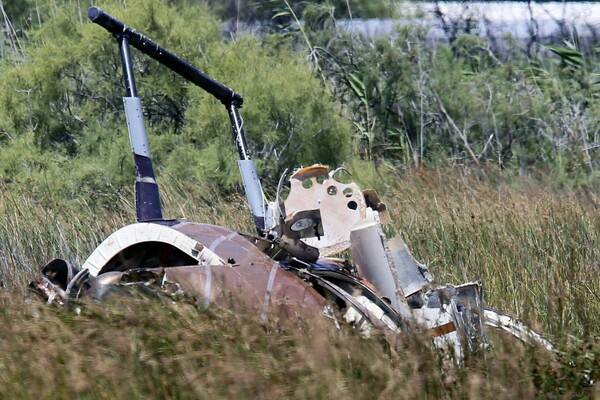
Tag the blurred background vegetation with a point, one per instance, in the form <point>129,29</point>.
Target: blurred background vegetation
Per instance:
<point>486,154</point>
<point>315,92</point>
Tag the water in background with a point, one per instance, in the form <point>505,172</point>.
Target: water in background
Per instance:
<point>517,18</point>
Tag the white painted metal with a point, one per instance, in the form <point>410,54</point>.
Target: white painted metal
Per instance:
<point>147,232</point>
<point>137,129</point>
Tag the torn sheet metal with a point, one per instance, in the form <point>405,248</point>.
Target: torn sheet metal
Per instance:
<point>412,275</point>
<point>386,263</point>
<point>321,210</point>
<point>215,265</point>
<point>287,270</point>
<point>516,328</point>
<point>333,216</point>
<point>375,263</point>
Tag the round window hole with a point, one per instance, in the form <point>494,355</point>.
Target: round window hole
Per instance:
<point>348,192</point>
<point>342,175</point>
<point>332,190</point>
<point>307,183</point>
<point>320,179</point>
<point>352,205</point>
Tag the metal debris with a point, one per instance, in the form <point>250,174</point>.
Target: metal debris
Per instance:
<point>293,266</point>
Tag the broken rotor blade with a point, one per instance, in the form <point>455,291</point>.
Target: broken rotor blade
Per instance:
<point>515,327</point>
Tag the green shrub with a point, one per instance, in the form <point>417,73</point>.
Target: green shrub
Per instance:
<point>67,90</point>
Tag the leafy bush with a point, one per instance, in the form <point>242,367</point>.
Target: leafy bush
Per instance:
<point>65,92</point>
<point>414,101</point>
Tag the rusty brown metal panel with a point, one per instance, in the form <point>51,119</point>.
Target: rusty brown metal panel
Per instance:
<point>247,287</point>
<point>253,281</point>
<point>225,242</point>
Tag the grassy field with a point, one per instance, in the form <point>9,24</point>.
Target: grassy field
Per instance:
<point>534,247</point>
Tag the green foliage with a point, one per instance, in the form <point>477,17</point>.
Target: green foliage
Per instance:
<point>287,125</point>
<point>17,11</point>
<point>412,102</point>
<point>280,10</point>
<point>66,93</point>
<point>409,103</point>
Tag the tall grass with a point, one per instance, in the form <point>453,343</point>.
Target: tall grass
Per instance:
<point>534,248</point>
<point>34,231</point>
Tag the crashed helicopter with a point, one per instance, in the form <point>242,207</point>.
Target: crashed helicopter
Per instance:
<point>291,266</point>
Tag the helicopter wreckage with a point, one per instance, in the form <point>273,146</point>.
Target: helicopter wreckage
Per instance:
<point>291,267</point>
